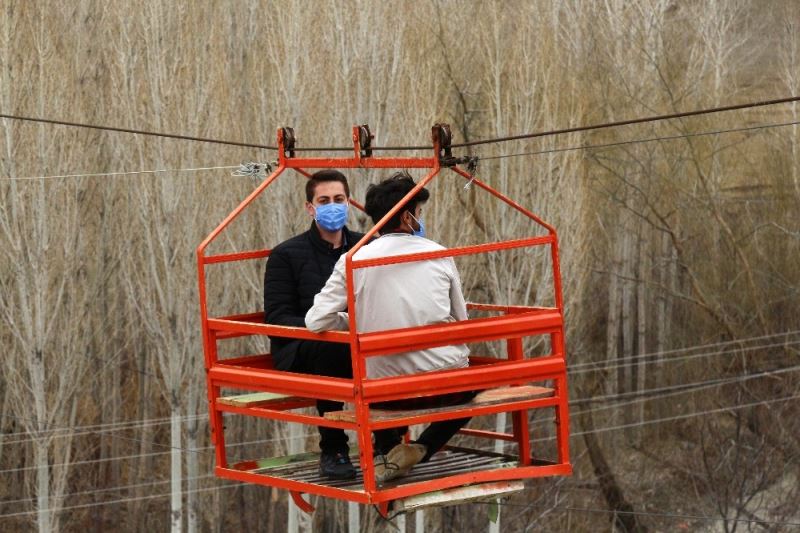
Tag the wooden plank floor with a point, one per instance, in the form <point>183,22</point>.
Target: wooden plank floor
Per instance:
<point>453,460</point>
<point>484,398</point>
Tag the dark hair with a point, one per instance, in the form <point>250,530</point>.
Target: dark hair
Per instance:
<point>381,198</point>
<point>323,176</point>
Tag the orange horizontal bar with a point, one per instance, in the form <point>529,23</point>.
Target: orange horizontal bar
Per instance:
<point>236,256</point>
<point>290,403</point>
<point>257,316</point>
<point>402,491</point>
<point>255,361</point>
<point>461,379</point>
<point>478,329</point>
<point>453,252</point>
<point>483,434</point>
<point>507,308</point>
<point>466,411</point>
<point>276,414</point>
<point>256,328</point>
<point>291,383</point>
<point>289,484</point>
<point>468,478</point>
<point>366,162</point>
<point>484,360</point>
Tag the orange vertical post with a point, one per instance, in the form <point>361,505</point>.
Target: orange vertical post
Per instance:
<point>520,418</point>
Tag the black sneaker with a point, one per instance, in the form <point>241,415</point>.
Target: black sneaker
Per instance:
<point>336,465</point>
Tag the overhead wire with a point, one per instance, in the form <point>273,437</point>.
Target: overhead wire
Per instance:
<point>638,397</point>
<point>734,344</point>
<point>97,429</point>
<point>627,122</point>
<point>110,489</point>
<point>206,489</point>
<point>685,349</point>
<point>651,513</point>
<point>116,436</point>
<point>136,132</point>
<point>651,359</point>
<point>639,141</point>
<point>680,417</point>
<point>485,141</point>
<point>595,431</point>
<point>685,517</point>
<point>574,129</point>
<point>118,501</point>
<point>114,174</point>
<point>672,390</point>
<point>133,423</point>
<point>157,454</point>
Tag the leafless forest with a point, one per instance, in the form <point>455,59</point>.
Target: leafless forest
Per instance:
<point>680,252</point>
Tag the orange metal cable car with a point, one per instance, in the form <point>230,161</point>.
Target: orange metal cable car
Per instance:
<point>511,385</point>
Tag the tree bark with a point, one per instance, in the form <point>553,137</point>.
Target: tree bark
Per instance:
<point>176,464</point>
<point>611,490</point>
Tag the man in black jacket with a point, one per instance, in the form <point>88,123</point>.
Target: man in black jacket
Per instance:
<point>297,269</point>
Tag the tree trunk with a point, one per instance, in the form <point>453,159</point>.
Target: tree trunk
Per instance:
<point>641,323</point>
<point>625,371</point>
<point>192,457</point>
<point>354,518</point>
<point>43,512</point>
<point>143,464</point>
<point>611,385</point>
<point>499,447</point>
<point>176,470</point>
<point>612,492</point>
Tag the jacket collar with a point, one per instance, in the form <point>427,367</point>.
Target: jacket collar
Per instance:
<point>318,241</point>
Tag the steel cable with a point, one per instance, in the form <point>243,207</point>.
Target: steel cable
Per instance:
<point>574,129</point>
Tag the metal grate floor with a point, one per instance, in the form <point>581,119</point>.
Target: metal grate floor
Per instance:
<point>452,460</point>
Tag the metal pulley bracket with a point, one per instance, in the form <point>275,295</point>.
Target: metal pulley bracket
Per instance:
<point>288,141</point>
<point>365,138</point>
<point>443,137</point>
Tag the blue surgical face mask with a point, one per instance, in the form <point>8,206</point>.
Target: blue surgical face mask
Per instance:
<point>332,216</point>
<point>421,231</point>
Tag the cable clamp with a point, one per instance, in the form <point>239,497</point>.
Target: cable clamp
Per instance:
<point>253,169</point>
<point>472,167</point>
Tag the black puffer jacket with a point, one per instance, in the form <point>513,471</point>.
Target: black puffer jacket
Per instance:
<point>297,270</point>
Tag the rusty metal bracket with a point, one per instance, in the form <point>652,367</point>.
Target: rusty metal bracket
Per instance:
<point>365,138</point>
<point>442,134</point>
<point>288,141</point>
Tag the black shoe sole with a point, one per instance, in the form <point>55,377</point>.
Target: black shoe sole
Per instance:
<point>349,475</point>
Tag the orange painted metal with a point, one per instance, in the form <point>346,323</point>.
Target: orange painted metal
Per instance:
<point>240,256</point>
<point>511,323</point>
<point>464,412</point>
<point>453,252</point>
<point>301,503</point>
<point>475,330</point>
<point>488,434</point>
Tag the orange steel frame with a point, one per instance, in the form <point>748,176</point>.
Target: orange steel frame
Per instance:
<point>512,323</point>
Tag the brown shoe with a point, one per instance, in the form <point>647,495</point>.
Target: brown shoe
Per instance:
<point>398,461</point>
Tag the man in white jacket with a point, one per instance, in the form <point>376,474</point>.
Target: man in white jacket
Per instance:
<point>399,296</point>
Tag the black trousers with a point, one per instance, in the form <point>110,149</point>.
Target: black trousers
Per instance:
<point>326,359</point>
<point>436,435</point>
<point>333,359</point>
